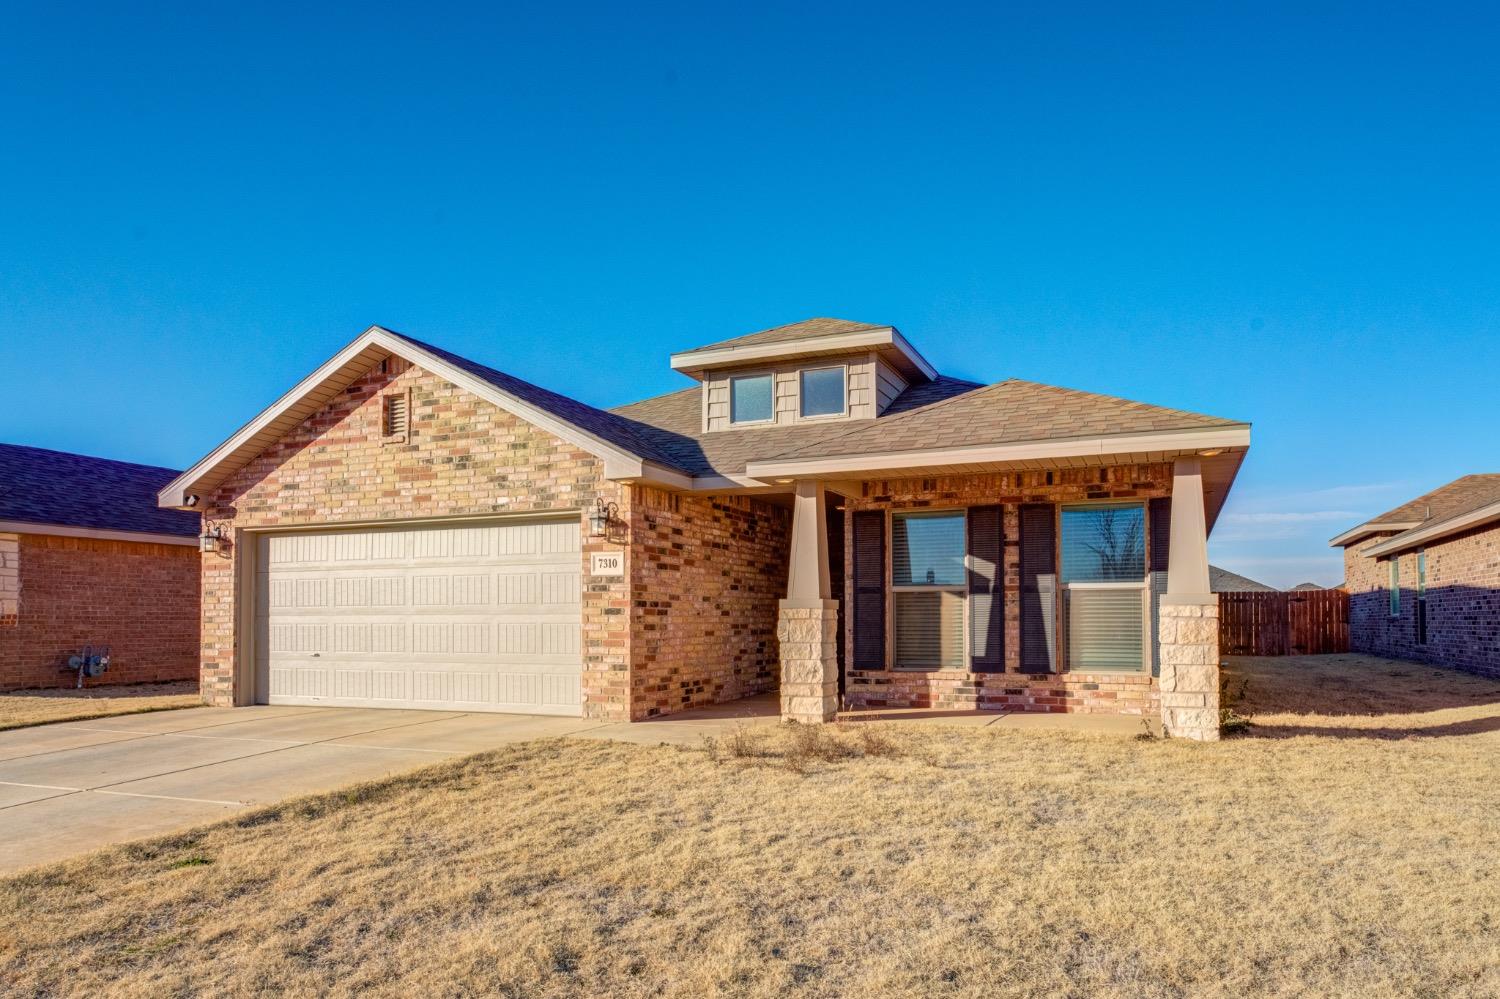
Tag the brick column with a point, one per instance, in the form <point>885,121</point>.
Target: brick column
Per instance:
<point>808,632</point>
<point>1190,670</point>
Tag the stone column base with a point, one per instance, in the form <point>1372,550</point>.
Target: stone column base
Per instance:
<point>808,633</point>
<point>1190,670</point>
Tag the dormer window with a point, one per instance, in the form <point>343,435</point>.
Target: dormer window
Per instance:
<point>750,399</point>
<point>823,391</point>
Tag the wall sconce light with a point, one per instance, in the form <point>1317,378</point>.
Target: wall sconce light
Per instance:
<point>211,540</point>
<point>601,517</point>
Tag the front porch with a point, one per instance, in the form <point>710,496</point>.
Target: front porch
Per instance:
<point>1079,591</point>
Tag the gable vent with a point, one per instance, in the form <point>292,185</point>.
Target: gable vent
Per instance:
<point>395,415</point>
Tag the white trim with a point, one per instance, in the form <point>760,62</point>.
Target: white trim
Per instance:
<point>1365,530</point>
<point>1452,525</point>
<point>99,534</point>
<point>1179,440</point>
<point>618,463</point>
<point>713,357</point>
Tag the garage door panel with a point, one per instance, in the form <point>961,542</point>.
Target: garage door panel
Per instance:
<point>482,617</point>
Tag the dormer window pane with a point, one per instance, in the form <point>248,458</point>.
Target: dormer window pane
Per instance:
<point>823,391</point>
<point>750,399</point>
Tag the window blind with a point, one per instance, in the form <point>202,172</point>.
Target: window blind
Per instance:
<point>927,549</point>
<point>929,628</point>
<point>1105,629</point>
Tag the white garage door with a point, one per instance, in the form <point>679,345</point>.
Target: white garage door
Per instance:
<point>478,617</point>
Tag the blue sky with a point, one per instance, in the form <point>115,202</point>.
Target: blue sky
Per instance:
<point>1288,217</point>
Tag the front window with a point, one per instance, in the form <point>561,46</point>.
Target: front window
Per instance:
<point>1395,588</point>
<point>928,586</point>
<point>1104,573</point>
<point>823,391</point>
<point>750,399</point>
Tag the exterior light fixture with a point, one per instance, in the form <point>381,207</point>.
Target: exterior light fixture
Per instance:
<point>211,540</point>
<point>1212,452</point>
<point>601,517</point>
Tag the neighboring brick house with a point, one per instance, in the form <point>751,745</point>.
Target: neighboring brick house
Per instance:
<point>1424,578</point>
<point>409,528</point>
<point>87,558</point>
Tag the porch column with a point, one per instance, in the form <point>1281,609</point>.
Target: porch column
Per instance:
<point>807,626</point>
<point>1189,616</point>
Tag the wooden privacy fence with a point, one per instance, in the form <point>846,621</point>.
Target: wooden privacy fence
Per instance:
<point>1294,623</point>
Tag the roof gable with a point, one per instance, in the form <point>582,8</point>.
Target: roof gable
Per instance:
<point>39,486</point>
<point>626,455</point>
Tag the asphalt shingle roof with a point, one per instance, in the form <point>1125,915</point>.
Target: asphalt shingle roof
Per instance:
<point>1224,581</point>
<point>39,486</point>
<point>1008,412</point>
<point>1452,500</point>
<point>808,329</point>
<point>943,412</point>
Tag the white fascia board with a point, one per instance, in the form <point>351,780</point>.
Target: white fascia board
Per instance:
<point>696,360</point>
<point>1365,530</point>
<point>1414,538</point>
<point>99,534</point>
<point>619,463</point>
<point>1082,447</point>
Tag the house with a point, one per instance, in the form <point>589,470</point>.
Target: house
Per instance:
<point>87,558</point>
<point>1223,581</point>
<point>1424,578</point>
<point>821,513</point>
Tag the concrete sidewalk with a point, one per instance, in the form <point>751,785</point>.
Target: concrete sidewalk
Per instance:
<point>72,787</point>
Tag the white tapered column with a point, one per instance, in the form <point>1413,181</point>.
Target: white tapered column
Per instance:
<point>807,625</point>
<point>1189,616</point>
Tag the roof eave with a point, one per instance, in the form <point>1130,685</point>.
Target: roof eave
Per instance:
<point>96,533</point>
<point>695,362</point>
<point>1420,534</point>
<point>1175,441</point>
<point>377,342</point>
<point>1364,530</point>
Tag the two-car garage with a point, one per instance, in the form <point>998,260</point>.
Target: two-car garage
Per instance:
<point>468,616</point>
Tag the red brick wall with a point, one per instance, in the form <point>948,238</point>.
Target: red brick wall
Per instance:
<point>464,456</point>
<point>1111,693</point>
<point>1463,602</point>
<point>707,573</point>
<point>139,599</point>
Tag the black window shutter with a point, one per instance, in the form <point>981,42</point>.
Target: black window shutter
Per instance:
<point>869,589</point>
<point>1161,532</point>
<point>1038,558</point>
<point>1160,512</point>
<point>986,589</point>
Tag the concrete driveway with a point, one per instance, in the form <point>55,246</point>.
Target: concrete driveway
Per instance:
<point>69,788</point>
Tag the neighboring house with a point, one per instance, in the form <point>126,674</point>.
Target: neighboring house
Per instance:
<point>1223,581</point>
<point>87,557</point>
<point>1424,578</point>
<point>823,513</point>
<point>1308,586</point>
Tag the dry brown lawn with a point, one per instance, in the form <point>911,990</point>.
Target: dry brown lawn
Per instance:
<point>40,707</point>
<point>1333,859</point>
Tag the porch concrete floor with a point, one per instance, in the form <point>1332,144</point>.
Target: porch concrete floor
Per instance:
<point>72,787</point>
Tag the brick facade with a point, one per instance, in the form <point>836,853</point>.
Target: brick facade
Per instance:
<point>691,622</point>
<point>58,594</point>
<point>1012,690</point>
<point>706,574</point>
<point>1463,602</point>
